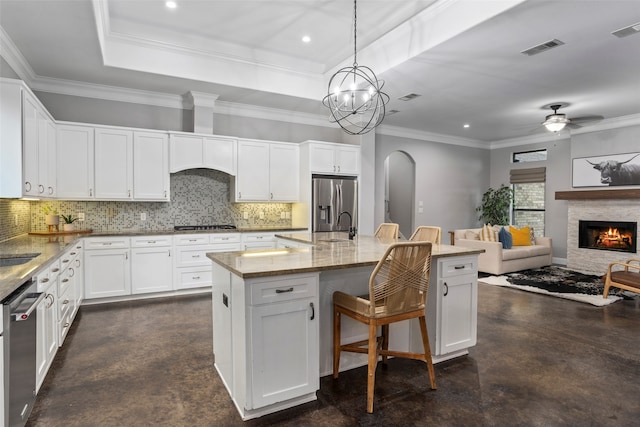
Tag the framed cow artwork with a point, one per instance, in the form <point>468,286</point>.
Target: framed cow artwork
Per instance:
<point>606,171</point>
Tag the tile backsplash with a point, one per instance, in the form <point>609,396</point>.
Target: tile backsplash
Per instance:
<point>198,196</point>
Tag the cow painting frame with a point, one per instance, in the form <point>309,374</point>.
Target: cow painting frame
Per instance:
<point>612,170</point>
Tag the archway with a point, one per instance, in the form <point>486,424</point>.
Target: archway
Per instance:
<point>399,190</point>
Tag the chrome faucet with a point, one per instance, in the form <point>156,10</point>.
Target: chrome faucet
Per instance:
<point>352,229</point>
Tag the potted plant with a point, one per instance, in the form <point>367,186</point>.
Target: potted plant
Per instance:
<point>51,217</point>
<point>68,222</point>
<point>495,205</point>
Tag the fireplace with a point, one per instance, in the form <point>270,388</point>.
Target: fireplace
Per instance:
<point>608,235</point>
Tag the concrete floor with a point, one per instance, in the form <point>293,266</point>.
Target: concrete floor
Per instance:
<point>540,361</point>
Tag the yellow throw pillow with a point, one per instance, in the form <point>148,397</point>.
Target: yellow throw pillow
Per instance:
<point>521,237</point>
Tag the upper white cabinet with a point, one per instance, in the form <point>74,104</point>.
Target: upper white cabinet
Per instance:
<point>150,166</point>
<point>202,151</point>
<point>113,164</point>
<point>27,143</point>
<point>267,171</point>
<point>332,158</point>
<point>75,161</point>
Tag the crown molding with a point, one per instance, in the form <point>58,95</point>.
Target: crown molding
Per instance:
<point>200,99</point>
<point>10,52</point>
<point>530,139</point>
<point>430,136</point>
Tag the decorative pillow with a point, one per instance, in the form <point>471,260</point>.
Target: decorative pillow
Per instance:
<point>505,238</point>
<point>521,237</point>
<point>471,235</point>
<point>488,234</point>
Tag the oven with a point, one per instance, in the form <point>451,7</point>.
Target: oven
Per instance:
<point>19,318</point>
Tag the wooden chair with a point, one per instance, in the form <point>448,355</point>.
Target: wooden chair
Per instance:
<point>387,230</point>
<point>427,233</point>
<point>397,291</point>
<point>626,279</point>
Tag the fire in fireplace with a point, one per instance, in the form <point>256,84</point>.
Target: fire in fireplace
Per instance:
<point>608,235</point>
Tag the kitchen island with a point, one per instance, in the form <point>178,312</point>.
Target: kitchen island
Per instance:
<point>272,331</point>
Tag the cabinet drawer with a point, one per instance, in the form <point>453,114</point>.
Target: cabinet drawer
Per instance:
<point>151,241</point>
<point>193,256</point>
<point>249,238</point>
<point>224,238</point>
<point>187,278</point>
<point>65,280</point>
<point>192,239</point>
<point>458,266</point>
<point>63,326</point>
<point>270,291</point>
<point>107,243</point>
<point>65,303</point>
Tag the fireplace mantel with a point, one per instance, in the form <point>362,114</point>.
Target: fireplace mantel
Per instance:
<point>633,193</point>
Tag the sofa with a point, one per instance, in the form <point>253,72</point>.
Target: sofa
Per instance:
<point>496,260</point>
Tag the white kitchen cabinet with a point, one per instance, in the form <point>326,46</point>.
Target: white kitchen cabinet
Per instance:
<point>284,164</point>
<point>38,147</point>
<point>67,303</point>
<point>47,323</point>
<point>107,267</point>
<point>332,158</point>
<point>151,264</point>
<point>258,241</point>
<point>192,268</point>
<point>276,321</point>
<point>150,166</point>
<point>188,151</point>
<point>452,308</point>
<point>267,171</point>
<point>113,164</point>
<point>75,149</point>
<point>78,266</point>
<point>252,180</point>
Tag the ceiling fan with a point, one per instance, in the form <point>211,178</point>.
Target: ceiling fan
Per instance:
<point>557,121</point>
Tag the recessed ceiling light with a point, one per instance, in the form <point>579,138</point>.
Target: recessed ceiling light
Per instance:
<point>306,39</point>
<point>466,125</point>
<point>171,4</point>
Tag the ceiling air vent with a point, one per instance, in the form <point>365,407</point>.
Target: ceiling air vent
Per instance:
<point>409,97</point>
<point>542,47</point>
<point>627,31</point>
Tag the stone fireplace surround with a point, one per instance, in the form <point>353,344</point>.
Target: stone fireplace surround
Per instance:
<point>593,260</point>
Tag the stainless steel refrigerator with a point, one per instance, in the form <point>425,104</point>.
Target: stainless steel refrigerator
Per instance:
<point>333,195</point>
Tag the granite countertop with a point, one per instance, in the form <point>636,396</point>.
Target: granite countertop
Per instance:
<point>142,232</point>
<point>47,248</point>
<point>330,251</point>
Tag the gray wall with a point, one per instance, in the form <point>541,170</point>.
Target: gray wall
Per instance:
<point>450,180</point>
<point>613,141</point>
<point>558,166</point>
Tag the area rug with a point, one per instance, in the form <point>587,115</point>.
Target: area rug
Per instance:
<point>558,282</point>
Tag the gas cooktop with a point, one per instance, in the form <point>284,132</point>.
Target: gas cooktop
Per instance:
<point>204,227</point>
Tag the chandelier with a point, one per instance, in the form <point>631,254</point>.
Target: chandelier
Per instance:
<point>355,96</point>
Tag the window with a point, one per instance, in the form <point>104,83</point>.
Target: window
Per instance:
<point>528,198</point>
<point>530,156</point>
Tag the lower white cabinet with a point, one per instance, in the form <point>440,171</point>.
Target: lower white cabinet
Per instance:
<point>151,264</point>
<point>192,267</point>
<point>107,267</point>
<point>47,324</point>
<point>276,321</point>
<point>452,308</point>
<point>258,241</point>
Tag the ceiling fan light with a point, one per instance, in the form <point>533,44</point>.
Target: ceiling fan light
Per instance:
<point>555,122</point>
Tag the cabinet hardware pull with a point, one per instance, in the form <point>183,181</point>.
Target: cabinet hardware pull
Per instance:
<point>78,247</point>
<point>65,260</point>
<point>283,291</point>
<point>65,280</point>
<point>193,240</point>
<point>225,238</point>
<point>107,244</point>
<point>91,192</point>
<point>126,255</point>
<point>52,300</point>
<point>446,289</point>
<point>55,270</point>
<point>45,280</point>
<point>40,188</point>
<point>169,252</point>
<point>72,272</point>
<point>66,325</point>
<point>459,267</point>
<point>77,263</point>
<point>271,196</point>
<point>50,190</point>
<point>29,184</point>
<point>334,168</point>
<point>165,194</point>
<point>195,256</point>
<point>338,168</point>
<point>65,301</point>
<point>313,311</point>
<point>151,241</point>
<point>195,277</point>
<point>129,193</point>
<point>239,194</point>
<point>72,253</point>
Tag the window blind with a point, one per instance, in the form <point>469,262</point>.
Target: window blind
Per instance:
<point>521,176</point>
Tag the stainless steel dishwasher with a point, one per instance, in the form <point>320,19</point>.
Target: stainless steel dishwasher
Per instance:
<point>19,313</point>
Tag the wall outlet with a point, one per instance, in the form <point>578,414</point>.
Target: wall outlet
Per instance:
<point>420,210</point>
<point>245,215</point>
<point>143,216</point>
<point>283,215</point>
<point>261,214</point>
<point>287,215</point>
<point>15,219</point>
<point>80,216</point>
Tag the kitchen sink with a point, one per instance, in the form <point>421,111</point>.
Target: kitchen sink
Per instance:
<point>16,259</point>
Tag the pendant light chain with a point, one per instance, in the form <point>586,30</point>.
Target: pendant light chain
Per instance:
<point>355,34</point>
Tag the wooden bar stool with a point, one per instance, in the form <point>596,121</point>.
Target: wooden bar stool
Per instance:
<point>427,233</point>
<point>398,290</point>
<point>387,230</point>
